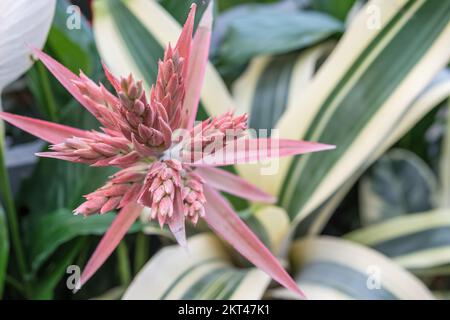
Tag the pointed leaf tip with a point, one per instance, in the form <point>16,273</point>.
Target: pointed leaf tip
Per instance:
<point>197,67</point>
<point>184,42</point>
<point>65,77</point>
<point>124,220</point>
<point>222,218</point>
<point>248,150</point>
<point>47,131</point>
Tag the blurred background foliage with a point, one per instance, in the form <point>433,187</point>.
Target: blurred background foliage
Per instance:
<point>393,211</point>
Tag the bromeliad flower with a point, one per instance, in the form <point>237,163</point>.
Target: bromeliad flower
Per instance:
<point>165,162</point>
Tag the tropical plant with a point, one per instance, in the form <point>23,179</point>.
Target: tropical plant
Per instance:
<point>361,94</point>
<point>362,221</point>
<point>162,169</point>
<point>22,23</point>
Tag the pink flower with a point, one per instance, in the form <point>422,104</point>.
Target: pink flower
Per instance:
<point>172,174</point>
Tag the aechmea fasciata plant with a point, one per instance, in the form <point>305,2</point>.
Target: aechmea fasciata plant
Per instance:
<point>166,163</point>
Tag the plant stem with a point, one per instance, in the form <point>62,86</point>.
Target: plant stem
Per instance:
<point>124,263</point>
<point>141,251</point>
<point>12,217</point>
<point>14,283</point>
<point>49,98</point>
<point>84,253</point>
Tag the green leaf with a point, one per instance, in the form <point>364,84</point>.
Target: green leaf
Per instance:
<point>48,231</point>
<point>43,288</point>
<point>267,30</point>
<point>227,4</point>
<point>57,184</point>
<point>419,242</point>
<point>333,268</point>
<point>206,272</point>
<point>4,250</point>
<point>264,90</point>
<point>338,9</point>
<point>398,183</point>
<point>69,53</point>
<point>74,48</point>
<point>39,83</point>
<point>211,269</point>
<point>356,99</point>
<point>429,99</point>
<point>180,10</point>
<point>267,107</point>
<point>444,164</point>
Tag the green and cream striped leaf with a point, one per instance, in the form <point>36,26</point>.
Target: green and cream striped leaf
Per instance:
<point>264,89</point>
<point>432,96</point>
<point>206,270</point>
<point>444,165</point>
<point>131,35</point>
<point>269,87</point>
<point>416,241</point>
<point>338,94</point>
<point>361,93</point>
<point>333,268</point>
<point>4,250</point>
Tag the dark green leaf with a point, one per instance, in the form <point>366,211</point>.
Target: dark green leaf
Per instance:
<point>272,91</point>
<point>74,48</point>
<point>338,9</point>
<point>254,30</point>
<point>227,4</point>
<point>81,40</point>
<point>68,52</point>
<point>180,10</point>
<point>4,250</point>
<point>57,184</point>
<point>46,232</point>
<point>45,285</point>
<point>366,97</point>
<point>397,184</point>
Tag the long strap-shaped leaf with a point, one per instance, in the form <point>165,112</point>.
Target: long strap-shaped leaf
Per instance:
<point>47,131</point>
<point>444,165</point>
<point>233,184</point>
<point>65,77</point>
<point>361,92</point>
<point>197,66</point>
<point>333,268</point>
<point>222,218</point>
<point>351,102</point>
<point>253,150</point>
<point>126,217</point>
<point>4,250</point>
<point>205,272</point>
<point>270,87</point>
<point>417,241</point>
<point>435,93</point>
